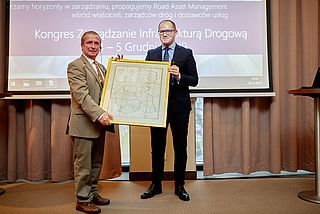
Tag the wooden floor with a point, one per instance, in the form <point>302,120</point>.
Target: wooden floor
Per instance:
<point>234,196</point>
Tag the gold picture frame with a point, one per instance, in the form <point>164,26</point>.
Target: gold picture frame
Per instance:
<point>136,92</point>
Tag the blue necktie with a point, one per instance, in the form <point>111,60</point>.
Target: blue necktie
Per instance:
<point>166,55</point>
<point>166,59</point>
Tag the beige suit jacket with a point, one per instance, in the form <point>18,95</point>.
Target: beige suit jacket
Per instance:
<point>85,90</point>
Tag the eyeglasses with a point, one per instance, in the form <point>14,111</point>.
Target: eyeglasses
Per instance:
<point>167,32</point>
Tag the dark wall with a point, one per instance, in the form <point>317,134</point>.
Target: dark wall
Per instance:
<point>3,33</point>
<point>3,103</point>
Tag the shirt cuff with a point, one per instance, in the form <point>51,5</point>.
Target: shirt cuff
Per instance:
<point>100,117</point>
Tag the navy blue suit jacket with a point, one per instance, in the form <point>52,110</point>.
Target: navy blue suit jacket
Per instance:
<point>179,94</point>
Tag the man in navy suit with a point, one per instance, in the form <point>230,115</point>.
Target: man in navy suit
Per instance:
<point>183,74</point>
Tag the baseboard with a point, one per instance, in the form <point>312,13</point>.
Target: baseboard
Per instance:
<point>146,176</point>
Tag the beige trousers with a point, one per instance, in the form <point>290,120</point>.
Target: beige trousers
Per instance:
<point>88,157</point>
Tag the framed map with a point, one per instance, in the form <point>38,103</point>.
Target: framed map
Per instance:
<point>136,92</point>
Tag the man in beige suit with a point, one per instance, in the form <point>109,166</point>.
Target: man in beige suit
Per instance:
<point>87,123</point>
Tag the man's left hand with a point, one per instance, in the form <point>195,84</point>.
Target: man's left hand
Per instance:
<point>174,70</point>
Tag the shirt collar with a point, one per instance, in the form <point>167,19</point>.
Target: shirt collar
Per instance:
<point>172,46</point>
<point>91,61</point>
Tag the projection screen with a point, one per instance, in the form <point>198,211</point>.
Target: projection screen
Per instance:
<point>229,40</point>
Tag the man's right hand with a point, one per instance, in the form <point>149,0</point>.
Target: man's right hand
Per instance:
<point>105,119</point>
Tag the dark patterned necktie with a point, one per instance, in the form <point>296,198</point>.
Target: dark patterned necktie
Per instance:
<point>99,72</point>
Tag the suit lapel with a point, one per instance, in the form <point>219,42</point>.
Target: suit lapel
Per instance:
<point>90,69</point>
<point>175,54</point>
<point>158,56</point>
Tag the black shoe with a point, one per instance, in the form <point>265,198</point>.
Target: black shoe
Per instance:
<point>153,190</point>
<point>182,193</point>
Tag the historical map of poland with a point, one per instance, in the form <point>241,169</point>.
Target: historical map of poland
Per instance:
<point>137,93</point>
